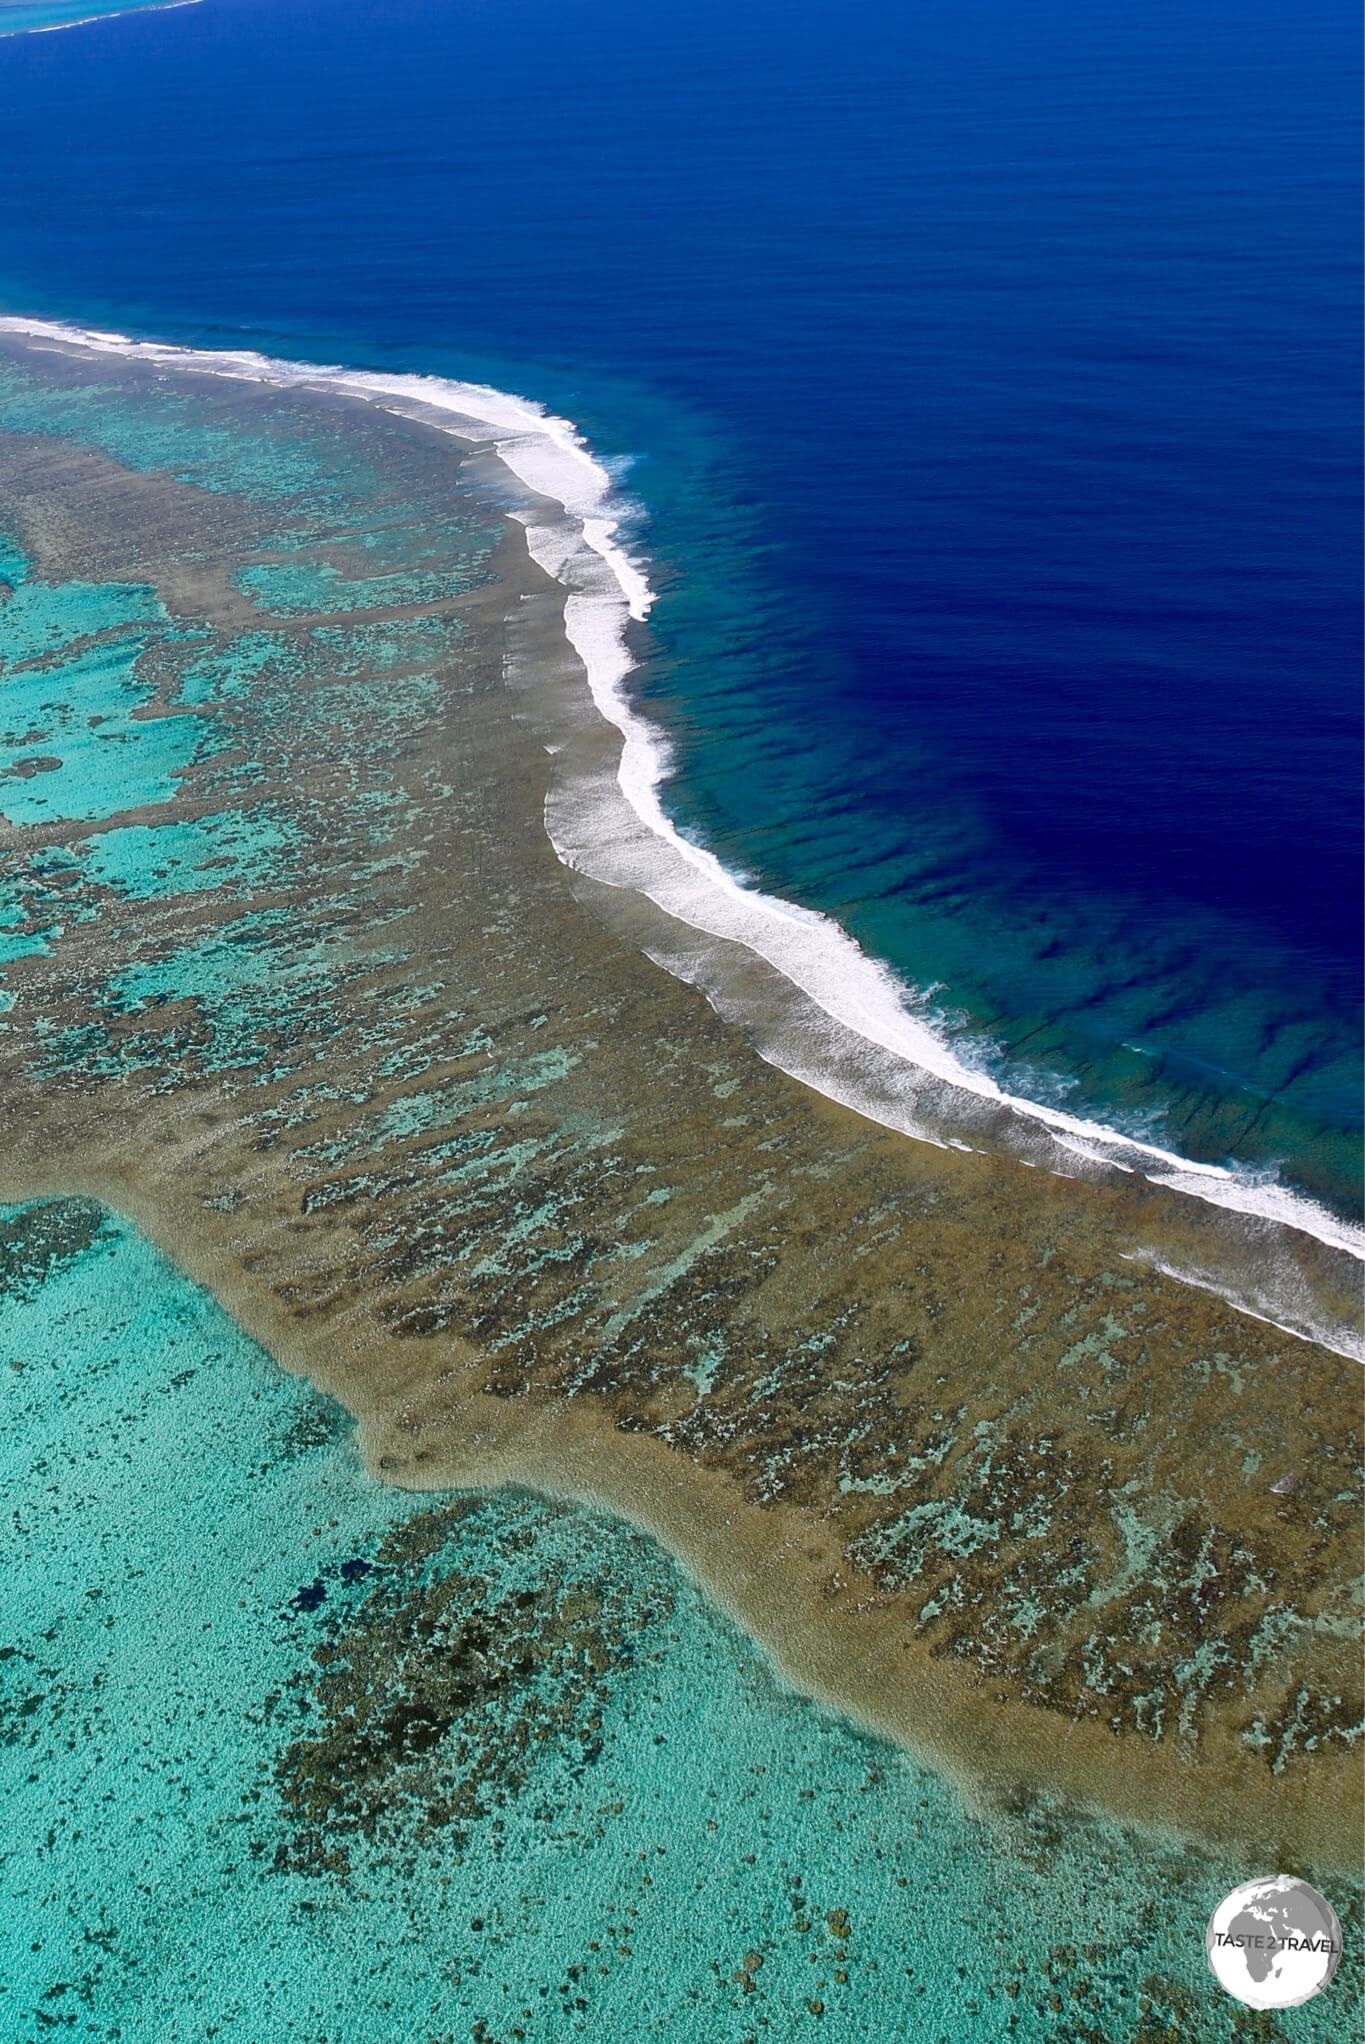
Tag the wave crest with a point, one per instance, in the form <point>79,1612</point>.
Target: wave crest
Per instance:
<point>827,1013</point>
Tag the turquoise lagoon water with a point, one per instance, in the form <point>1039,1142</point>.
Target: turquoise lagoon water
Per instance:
<point>290,1755</point>
<point>68,743</point>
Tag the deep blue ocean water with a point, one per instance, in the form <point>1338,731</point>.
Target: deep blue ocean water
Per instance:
<point>988,380</point>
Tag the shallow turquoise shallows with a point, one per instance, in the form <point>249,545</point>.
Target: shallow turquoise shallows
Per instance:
<point>288,1755</point>
<point>70,745</point>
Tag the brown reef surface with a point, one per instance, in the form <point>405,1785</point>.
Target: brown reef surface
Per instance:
<point>376,1073</point>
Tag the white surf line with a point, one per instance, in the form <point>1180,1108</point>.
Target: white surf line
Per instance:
<point>606,589</point>
<point>86,20</point>
<point>1198,1282</point>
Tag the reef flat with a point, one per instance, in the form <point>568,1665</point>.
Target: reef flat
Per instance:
<point>293,977</point>
<point>476,1767</point>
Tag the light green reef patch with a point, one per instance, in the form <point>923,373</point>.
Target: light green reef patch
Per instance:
<point>14,562</point>
<point>305,589</point>
<point>158,430</point>
<point>252,978</point>
<point>233,848</point>
<point>369,649</point>
<point>73,747</point>
<point>38,619</point>
<point>230,668</point>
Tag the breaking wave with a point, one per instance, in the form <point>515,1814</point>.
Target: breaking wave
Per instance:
<point>820,1008</point>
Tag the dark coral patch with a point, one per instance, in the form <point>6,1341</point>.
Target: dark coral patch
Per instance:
<point>39,1240</point>
<point>475,1660</point>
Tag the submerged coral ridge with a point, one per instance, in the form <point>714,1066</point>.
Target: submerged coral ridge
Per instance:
<point>290,971</point>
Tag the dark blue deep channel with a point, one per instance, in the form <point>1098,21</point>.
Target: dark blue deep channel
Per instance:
<point>988,377</point>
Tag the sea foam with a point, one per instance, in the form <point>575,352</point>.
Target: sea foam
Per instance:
<point>853,1033</point>
<point>88,20</point>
